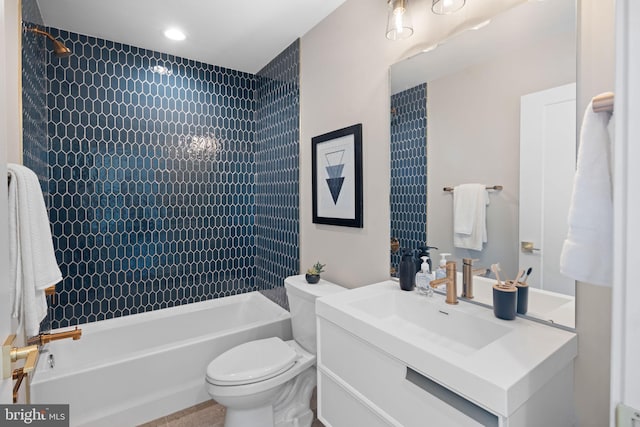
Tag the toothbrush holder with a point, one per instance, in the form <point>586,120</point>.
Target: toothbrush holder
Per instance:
<point>523,297</point>
<point>504,302</point>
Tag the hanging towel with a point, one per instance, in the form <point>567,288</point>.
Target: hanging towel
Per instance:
<point>469,216</point>
<point>587,251</point>
<point>32,263</point>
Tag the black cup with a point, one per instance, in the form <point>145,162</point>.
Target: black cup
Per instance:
<point>504,302</point>
<point>523,298</point>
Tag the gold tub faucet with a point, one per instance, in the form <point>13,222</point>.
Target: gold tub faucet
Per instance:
<point>42,339</point>
<point>451,281</point>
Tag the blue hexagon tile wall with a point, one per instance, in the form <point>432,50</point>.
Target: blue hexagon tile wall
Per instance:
<point>409,169</point>
<point>152,178</point>
<point>277,173</point>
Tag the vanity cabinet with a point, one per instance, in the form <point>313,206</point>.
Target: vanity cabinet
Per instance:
<point>364,382</point>
<point>372,382</point>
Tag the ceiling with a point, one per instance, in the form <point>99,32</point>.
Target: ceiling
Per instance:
<point>507,31</point>
<point>242,35</point>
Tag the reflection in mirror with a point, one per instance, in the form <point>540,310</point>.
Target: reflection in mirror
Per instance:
<point>500,110</point>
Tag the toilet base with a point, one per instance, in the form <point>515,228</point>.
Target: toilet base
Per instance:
<point>293,406</point>
<point>290,408</point>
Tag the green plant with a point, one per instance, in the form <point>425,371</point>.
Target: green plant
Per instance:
<point>316,269</point>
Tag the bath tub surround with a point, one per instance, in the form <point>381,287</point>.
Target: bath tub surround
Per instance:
<point>141,219</point>
<point>133,369</point>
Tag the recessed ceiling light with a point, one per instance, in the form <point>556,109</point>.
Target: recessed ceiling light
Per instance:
<point>174,34</point>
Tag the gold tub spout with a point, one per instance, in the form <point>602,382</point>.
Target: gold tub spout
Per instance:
<point>42,339</point>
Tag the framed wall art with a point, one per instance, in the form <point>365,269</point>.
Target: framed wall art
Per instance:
<point>337,177</point>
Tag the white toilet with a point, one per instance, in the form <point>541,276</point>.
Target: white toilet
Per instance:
<point>268,382</point>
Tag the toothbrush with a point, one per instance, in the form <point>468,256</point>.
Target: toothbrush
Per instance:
<point>527,276</point>
<point>518,276</point>
<point>496,268</point>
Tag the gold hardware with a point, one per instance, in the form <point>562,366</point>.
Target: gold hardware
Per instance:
<point>467,276</point>
<point>59,49</point>
<point>18,375</point>
<point>493,187</point>
<point>528,247</point>
<point>6,356</point>
<point>51,292</point>
<point>603,102</point>
<point>12,354</point>
<point>42,339</point>
<point>30,353</point>
<point>451,282</point>
<point>395,245</point>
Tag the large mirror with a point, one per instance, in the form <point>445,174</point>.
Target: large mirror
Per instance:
<point>494,105</point>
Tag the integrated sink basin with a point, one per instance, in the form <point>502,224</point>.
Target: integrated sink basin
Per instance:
<point>430,322</point>
<point>504,367</point>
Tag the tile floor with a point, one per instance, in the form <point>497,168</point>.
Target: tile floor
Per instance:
<point>207,414</point>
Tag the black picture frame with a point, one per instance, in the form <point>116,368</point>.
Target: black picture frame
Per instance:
<point>337,177</point>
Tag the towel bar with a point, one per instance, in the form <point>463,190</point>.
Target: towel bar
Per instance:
<point>493,187</point>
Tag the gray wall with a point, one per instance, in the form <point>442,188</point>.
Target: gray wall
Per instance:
<point>344,78</point>
<point>474,134</point>
<point>344,65</point>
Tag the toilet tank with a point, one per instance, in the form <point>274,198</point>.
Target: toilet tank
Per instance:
<point>302,305</point>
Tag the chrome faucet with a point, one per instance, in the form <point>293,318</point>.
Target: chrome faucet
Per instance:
<point>467,277</point>
<point>451,281</point>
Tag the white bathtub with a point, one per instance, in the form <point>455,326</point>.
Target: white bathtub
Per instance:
<point>134,369</point>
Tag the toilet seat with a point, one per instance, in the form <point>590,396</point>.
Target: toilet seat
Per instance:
<point>304,361</point>
<point>251,362</point>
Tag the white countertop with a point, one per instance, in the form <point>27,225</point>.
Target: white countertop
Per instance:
<point>499,376</point>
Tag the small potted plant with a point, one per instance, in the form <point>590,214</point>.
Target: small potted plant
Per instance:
<point>313,274</point>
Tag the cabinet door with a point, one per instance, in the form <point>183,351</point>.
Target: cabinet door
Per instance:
<point>339,408</point>
<point>400,393</point>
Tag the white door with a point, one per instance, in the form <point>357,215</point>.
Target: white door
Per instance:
<point>9,131</point>
<point>547,167</point>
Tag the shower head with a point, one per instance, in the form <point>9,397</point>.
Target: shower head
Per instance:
<point>59,49</point>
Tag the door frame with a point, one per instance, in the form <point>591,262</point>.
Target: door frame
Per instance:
<point>625,335</point>
<point>10,133</point>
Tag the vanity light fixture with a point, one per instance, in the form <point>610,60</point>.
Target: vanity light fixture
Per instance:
<point>430,48</point>
<point>446,7</point>
<point>201,147</point>
<point>174,34</point>
<point>481,25</point>
<point>399,25</point>
<point>161,69</point>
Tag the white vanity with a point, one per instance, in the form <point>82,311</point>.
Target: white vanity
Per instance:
<point>387,357</point>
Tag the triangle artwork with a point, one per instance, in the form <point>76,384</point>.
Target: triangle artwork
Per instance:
<point>335,169</point>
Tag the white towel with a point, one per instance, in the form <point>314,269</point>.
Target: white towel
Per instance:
<point>470,216</point>
<point>32,263</point>
<point>587,250</point>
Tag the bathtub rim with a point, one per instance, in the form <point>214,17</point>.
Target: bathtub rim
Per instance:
<point>43,374</point>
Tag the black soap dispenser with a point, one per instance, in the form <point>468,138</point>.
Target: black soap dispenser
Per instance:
<point>422,252</point>
<point>407,270</point>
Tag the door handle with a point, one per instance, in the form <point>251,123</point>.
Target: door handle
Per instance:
<point>527,247</point>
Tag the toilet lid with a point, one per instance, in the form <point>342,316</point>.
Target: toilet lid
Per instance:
<point>251,362</point>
